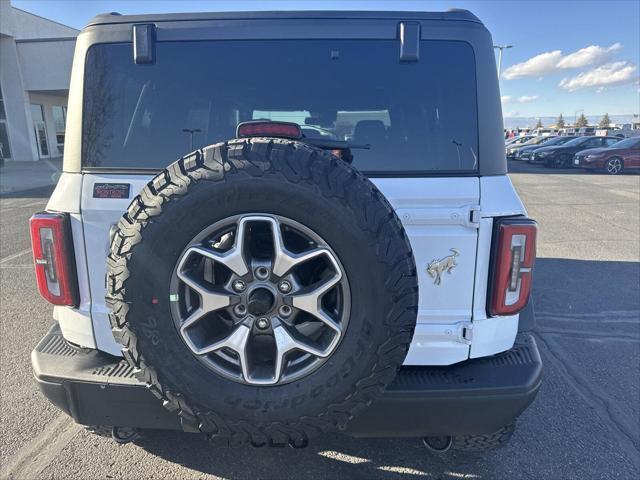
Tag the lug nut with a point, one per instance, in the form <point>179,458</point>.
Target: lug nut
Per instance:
<point>285,310</point>
<point>263,323</point>
<point>239,285</point>
<point>240,309</point>
<point>285,286</point>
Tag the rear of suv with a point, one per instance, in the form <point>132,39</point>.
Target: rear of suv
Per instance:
<point>274,225</point>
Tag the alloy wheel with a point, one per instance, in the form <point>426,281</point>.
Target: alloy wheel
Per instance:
<point>614,166</point>
<point>260,299</point>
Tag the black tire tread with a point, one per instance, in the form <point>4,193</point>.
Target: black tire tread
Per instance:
<point>244,157</point>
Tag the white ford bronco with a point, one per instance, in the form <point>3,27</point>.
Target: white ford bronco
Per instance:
<point>273,225</point>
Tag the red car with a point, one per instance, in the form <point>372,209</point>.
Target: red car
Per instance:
<point>620,156</point>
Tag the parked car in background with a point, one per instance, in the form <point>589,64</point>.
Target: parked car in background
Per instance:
<point>518,140</point>
<point>545,131</point>
<point>587,131</point>
<point>622,155</point>
<point>561,156</point>
<point>525,154</point>
<point>512,147</point>
<point>513,150</point>
<point>628,130</point>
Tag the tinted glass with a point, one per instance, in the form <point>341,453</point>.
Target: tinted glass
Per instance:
<point>576,141</point>
<point>592,142</point>
<point>557,141</point>
<point>5,151</point>
<point>628,143</point>
<point>416,116</point>
<point>537,140</point>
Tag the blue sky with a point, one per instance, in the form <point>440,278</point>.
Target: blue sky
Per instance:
<point>566,55</point>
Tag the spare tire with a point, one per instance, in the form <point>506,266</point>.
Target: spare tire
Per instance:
<point>264,290</point>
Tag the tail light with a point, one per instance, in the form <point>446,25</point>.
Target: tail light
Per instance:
<point>513,257</point>
<point>53,258</point>
<point>261,128</point>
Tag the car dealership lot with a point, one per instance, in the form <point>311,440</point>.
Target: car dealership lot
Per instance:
<point>584,423</point>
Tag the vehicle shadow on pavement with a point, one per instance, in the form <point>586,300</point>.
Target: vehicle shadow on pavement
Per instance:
<point>588,287</point>
<point>330,456</point>
<point>585,340</point>
<point>588,331</point>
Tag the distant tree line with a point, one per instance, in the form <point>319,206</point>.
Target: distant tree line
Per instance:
<point>581,121</point>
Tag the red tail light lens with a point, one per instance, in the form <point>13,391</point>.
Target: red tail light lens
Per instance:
<point>269,129</point>
<point>53,258</point>
<point>513,258</point>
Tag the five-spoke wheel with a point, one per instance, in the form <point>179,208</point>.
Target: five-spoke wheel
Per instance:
<point>260,299</point>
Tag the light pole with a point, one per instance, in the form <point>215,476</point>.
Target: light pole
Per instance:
<point>501,48</point>
<point>575,116</point>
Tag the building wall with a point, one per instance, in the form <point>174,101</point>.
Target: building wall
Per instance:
<point>29,26</point>
<point>36,55</point>
<point>6,18</point>
<point>45,65</point>
<point>16,103</point>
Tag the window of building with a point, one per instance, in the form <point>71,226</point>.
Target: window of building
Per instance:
<point>60,122</point>
<point>40,128</point>
<point>5,150</point>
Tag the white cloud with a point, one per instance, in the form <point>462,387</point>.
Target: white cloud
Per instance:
<point>606,75</point>
<point>539,65</point>
<point>554,61</point>
<point>591,55</point>
<point>522,99</point>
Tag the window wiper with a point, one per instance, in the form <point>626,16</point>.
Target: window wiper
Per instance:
<point>136,112</point>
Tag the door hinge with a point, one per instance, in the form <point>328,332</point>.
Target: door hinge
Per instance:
<point>465,333</point>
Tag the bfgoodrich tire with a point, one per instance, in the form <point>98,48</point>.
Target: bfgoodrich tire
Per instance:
<point>272,181</point>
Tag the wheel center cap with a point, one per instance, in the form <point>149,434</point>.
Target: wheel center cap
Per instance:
<point>261,301</point>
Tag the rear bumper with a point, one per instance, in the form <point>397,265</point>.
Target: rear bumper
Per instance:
<point>474,397</point>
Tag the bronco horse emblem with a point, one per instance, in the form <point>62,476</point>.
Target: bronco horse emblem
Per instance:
<point>437,267</point>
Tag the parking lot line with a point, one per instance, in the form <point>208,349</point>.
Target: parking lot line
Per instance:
<point>34,457</point>
<point>8,258</point>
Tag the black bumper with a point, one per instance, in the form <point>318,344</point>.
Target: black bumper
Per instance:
<point>474,397</point>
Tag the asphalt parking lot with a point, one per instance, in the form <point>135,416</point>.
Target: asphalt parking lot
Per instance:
<point>585,424</point>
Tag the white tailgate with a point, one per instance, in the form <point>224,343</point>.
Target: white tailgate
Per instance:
<point>436,214</point>
<point>98,215</point>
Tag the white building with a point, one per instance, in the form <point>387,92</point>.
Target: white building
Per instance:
<point>35,68</point>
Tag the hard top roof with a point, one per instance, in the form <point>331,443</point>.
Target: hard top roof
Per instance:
<point>116,18</point>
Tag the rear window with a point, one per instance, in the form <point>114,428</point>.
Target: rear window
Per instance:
<point>418,117</point>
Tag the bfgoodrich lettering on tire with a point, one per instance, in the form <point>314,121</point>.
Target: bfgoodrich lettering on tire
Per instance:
<point>265,290</point>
